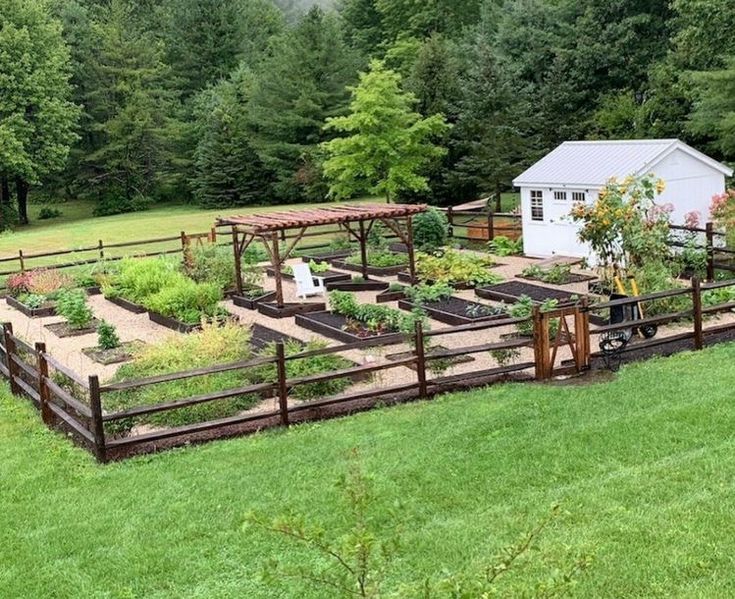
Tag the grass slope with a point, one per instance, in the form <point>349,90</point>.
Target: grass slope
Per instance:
<point>644,466</point>
<point>77,227</point>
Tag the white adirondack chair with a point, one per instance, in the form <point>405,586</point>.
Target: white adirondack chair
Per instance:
<point>305,286</point>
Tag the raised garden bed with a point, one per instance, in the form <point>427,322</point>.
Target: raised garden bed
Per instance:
<point>511,291</point>
<point>47,309</point>
<point>355,286</point>
<point>328,276</point>
<point>127,305</point>
<point>94,290</point>
<point>405,277</point>
<point>326,256</point>
<point>376,271</point>
<point>570,279</point>
<point>456,311</point>
<point>64,329</point>
<point>439,350</point>
<point>183,327</point>
<point>261,337</point>
<point>398,248</point>
<point>332,325</point>
<point>120,354</point>
<point>251,303</point>
<point>390,296</point>
<point>289,309</point>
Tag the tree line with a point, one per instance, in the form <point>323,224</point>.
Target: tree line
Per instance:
<point>236,102</point>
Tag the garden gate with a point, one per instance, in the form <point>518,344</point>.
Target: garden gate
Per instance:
<point>552,333</point>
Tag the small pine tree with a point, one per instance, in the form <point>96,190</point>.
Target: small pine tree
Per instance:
<point>107,337</point>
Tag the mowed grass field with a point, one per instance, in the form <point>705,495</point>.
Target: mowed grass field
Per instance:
<point>77,227</point>
<point>643,467</point>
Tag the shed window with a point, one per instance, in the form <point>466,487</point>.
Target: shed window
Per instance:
<point>537,205</point>
<point>578,196</point>
<point>560,196</point>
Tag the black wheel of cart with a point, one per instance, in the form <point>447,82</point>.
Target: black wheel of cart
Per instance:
<point>649,331</point>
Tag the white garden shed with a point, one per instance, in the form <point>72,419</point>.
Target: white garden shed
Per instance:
<point>577,170</point>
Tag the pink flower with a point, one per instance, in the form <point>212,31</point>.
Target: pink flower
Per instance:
<point>692,219</point>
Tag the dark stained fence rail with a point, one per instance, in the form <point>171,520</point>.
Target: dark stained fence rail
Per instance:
<point>75,403</point>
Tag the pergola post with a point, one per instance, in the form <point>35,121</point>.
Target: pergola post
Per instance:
<point>363,250</point>
<point>276,255</point>
<point>409,248</point>
<point>238,259</point>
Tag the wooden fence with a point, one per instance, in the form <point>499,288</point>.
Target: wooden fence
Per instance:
<point>561,342</point>
<point>482,225</point>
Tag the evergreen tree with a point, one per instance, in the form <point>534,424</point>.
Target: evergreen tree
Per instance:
<point>714,112</point>
<point>133,106</point>
<point>363,25</point>
<point>298,86</point>
<point>37,117</point>
<point>227,170</point>
<point>387,146</point>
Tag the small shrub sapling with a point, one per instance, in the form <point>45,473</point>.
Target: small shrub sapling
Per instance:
<point>107,337</point>
<point>72,305</point>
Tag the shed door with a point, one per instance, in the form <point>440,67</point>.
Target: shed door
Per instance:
<point>563,229</point>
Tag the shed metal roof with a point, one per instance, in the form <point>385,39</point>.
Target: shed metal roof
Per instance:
<point>592,163</point>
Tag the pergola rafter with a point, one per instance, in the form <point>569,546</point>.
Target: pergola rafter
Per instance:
<point>269,226</point>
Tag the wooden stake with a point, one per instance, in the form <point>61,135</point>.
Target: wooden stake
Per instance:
<point>9,353</point>
<point>238,260</point>
<point>420,359</point>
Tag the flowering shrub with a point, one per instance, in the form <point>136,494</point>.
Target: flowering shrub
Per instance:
<point>42,282</point>
<point>722,213</point>
<point>625,226</point>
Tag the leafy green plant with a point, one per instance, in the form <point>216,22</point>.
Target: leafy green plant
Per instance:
<point>374,318</point>
<point>693,259</point>
<point>34,301</point>
<point>715,297</point>
<point>505,246</point>
<point>481,310</point>
<point>427,293</point>
<point>72,305</point>
<point>212,264</point>
<point>339,243</point>
<point>212,345</point>
<point>655,276</point>
<point>136,280</point>
<point>107,337</point>
<point>456,267</point>
<point>380,259</point>
<point>523,308</point>
<point>187,301</point>
<point>505,357</point>
<point>303,367</point>
<point>395,287</point>
<point>430,230</point>
<point>558,274</point>
<point>315,267</point>
<point>376,239</point>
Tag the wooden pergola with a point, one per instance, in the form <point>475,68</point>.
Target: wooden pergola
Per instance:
<point>357,220</point>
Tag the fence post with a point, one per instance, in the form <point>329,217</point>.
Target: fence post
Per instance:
<point>420,359</point>
<point>582,334</point>
<point>710,245</point>
<point>282,386</point>
<point>101,247</point>
<point>490,226</point>
<point>450,219</point>
<point>98,427</point>
<point>22,261</point>
<point>540,344</point>
<point>9,353</point>
<point>213,235</point>
<point>43,392</point>
<point>697,313</point>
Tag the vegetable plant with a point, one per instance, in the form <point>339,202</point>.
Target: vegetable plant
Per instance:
<point>373,318</point>
<point>107,337</point>
<point>427,293</point>
<point>72,305</point>
<point>187,301</point>
<point>505,246</point>
<point>558,274</point>
<point>136,280</point>
<point>380,259</point>
<point>212,264</point>
<point>523,308</point>
<point>455,267</point>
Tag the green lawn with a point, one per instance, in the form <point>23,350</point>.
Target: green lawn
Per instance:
<point>643,466</point>
<point>77,228</point>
